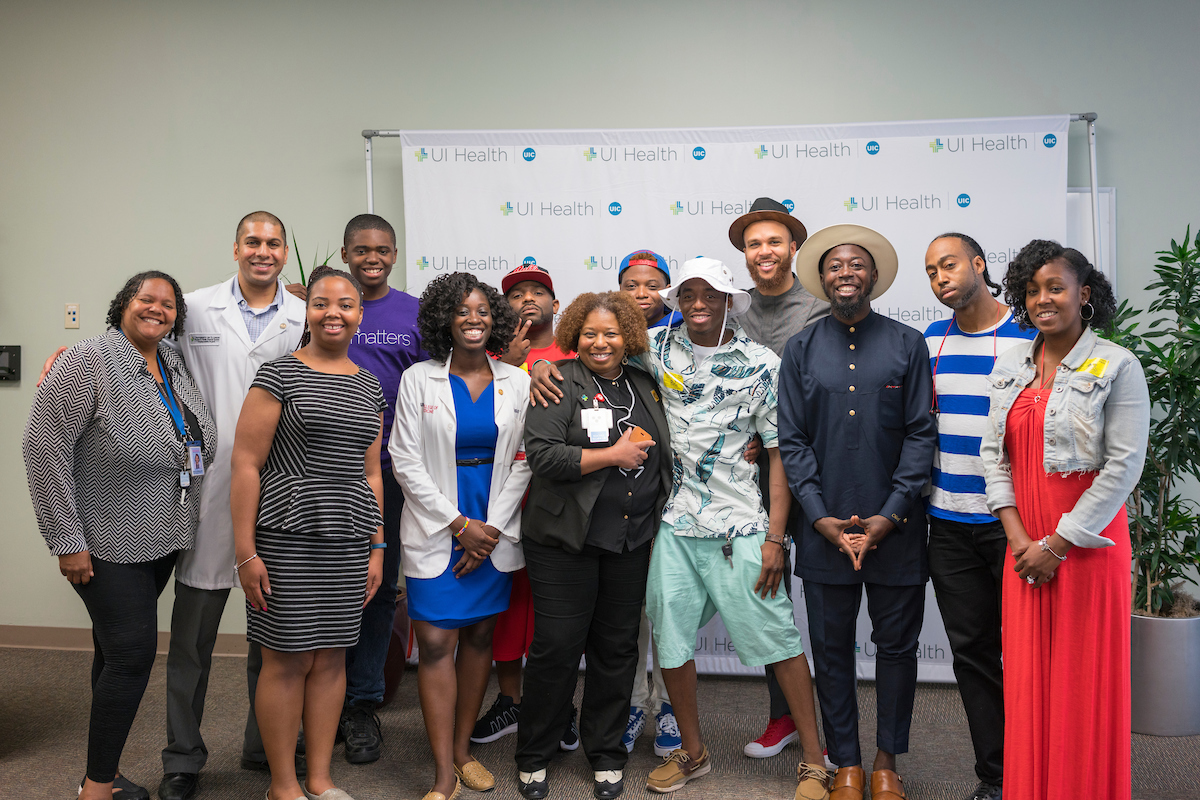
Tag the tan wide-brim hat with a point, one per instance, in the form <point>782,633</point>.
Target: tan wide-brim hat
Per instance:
<point>808,259</point>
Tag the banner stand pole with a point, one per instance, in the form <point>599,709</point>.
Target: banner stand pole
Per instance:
<point>1090,118</point>
<point>370,134</point>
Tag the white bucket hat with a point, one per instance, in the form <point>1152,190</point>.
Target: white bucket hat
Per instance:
<point>715,274</point>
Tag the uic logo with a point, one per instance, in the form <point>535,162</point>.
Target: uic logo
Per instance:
<point>528,260</point>
<point>1049,140</point>
<point>699,154</point>
<point>590,154</point>
<point>936,145</point>
<point>676,207</point>
<point>851,204</point>
<point>614,208</point>
<point>590,263</point>
<point>529,154</point>
<point>760,152</point>
<point>422,263</point>
<point>421,155</point>
<point>789,205</point>
<point>964,200</point>
<point>872,148</point>
<point>506,208</point>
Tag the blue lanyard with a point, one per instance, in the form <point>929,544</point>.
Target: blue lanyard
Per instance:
<point>169,401</point>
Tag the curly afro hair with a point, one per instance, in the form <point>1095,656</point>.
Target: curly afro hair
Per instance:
<point>116,309</point>
<point>630,319</point>
<point>440,302</point>
<point>1036,255</point>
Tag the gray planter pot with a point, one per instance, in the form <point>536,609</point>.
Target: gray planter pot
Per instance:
<point>1165,671</point>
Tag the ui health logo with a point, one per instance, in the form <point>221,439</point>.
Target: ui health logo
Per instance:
<point>676,207</point>
<point>614,208</point>
<point>1049,140</point>
<point>936,145</point>
<point>506,209</point>
<point>590,154</point>
<point>529,154</point>
<point>421,154</point>
<point>851,204</point>
<point>422,263</point>
<point>699,154</point>
<point>590,263</point>
<point>760,152</point>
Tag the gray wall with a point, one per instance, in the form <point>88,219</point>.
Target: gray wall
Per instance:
<point>133,135</point>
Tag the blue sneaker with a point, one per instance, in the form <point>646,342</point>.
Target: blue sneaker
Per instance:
<point>668,738</point>
<point>633,728</point>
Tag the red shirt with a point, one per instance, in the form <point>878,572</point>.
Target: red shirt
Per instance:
<point>551,353</point>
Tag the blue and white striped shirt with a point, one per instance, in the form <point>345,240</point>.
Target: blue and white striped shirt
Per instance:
<point>960,385</point>
<point>256,321</point>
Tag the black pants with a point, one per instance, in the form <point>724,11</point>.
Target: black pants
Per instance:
<point>122,600</point>
<point>965,562</point>
<point>590,601</point>
<point>896,616</point>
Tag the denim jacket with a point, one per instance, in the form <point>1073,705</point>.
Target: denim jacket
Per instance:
<point>1097,419</point>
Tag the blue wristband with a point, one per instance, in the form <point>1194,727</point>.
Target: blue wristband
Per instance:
<point>380,546</point>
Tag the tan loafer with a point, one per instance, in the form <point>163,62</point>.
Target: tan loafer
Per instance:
<point>813,782</point>
<point>453,795</point>
<point>676,770</point>
<point>475,776</point>
<point>848,784</point>
<point>887,785</point>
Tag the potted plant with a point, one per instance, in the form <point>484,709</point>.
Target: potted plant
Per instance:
<point>1166,540</point>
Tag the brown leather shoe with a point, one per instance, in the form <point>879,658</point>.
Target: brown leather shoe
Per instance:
<point>848,784</point>
<point>886,785</point>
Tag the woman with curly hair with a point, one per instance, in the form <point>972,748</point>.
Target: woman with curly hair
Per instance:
<point>1064,447</point>
<point>456,453</point>
<point>601,463</point>
<point>116,448</point>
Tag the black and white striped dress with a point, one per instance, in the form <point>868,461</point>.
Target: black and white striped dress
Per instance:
<point>316,511</point>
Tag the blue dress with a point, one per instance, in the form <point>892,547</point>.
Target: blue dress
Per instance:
<point>448,602</point>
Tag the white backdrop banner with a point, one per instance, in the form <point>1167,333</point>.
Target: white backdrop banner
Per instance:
<point>577,201</point>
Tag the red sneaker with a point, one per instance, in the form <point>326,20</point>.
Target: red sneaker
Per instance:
<point>780,732</point>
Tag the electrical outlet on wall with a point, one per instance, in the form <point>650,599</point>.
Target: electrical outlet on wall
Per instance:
<point>72,320</point>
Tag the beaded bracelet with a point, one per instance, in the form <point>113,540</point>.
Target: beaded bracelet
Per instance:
<point>463,529</point>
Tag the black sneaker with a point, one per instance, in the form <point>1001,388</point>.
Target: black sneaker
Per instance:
<point>359,727</point>
<point>570,737</point>
<point>986,791</point>
<point>499,720</point>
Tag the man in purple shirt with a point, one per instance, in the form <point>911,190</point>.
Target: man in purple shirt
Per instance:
<point>386,344</point>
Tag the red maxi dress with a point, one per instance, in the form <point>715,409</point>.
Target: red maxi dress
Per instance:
<point>1066,643</point>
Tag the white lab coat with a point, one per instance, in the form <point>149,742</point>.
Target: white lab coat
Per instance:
<point>223,362</point>
<point>422,450</point>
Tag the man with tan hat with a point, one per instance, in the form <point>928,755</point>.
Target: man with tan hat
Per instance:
<point>717,549</point>
<point>780,307</point>
<point>857,439</point>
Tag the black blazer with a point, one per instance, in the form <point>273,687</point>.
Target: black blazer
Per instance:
<point>559,509</point>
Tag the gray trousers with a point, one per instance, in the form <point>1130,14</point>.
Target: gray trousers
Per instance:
<point>194,623</point>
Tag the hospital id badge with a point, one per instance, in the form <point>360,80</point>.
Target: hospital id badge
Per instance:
<point>597,422</point>
<point>673,380</point>
<point>195,459</point>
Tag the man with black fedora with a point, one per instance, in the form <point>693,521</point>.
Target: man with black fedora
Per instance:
<point>780,307</point>
<point>857,439</point>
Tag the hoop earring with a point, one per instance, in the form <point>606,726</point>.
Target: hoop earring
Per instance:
<point>1088,305</point>
<point>625,360</point>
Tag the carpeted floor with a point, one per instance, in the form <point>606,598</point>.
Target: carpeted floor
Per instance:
<point>43,741</point>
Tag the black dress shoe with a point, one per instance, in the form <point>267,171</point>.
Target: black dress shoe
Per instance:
<point>178,785</point>
<point>533,790</point>
<point>603,790</point>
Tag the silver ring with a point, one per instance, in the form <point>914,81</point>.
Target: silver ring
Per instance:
<point>1030,580</point>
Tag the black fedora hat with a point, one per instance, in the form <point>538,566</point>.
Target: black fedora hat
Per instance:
<point>765,208</point>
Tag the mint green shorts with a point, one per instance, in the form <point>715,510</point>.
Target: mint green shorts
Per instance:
<point>690,581</point>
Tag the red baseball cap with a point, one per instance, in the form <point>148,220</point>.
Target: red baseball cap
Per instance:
<point>526,272</point>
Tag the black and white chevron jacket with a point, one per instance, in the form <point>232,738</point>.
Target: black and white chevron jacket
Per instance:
<point>103,458</point>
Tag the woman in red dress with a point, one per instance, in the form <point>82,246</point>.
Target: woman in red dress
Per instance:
<point>1068,421</point>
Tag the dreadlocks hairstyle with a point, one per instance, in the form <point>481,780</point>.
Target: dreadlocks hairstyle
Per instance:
<point>321,273</point>
<point>439,303</point>
<point>116,309</point>
<point>974,250</point>
<point>1036,255</point>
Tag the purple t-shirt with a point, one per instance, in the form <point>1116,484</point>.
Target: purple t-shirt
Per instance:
<point>387,344</point>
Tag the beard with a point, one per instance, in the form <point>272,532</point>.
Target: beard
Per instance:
<point>773,284</point>
<point>851,308</point>
<point>964,298</point>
